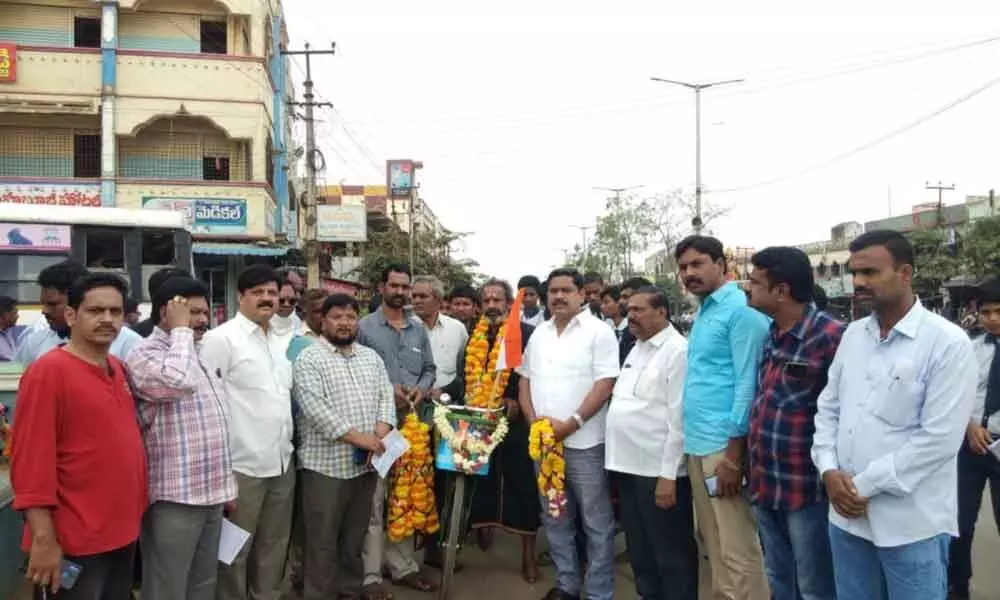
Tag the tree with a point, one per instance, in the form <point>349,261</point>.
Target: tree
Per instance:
<point>669,216</point>
<point>432,256</point>
<point>981,248</point>
<point>937,261</point>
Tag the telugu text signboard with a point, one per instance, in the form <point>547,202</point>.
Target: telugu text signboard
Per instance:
<point>207,216</point>
<point>341,223</point>
<point>52,194</point>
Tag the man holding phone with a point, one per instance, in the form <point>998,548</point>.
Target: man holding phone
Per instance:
<point>789,502</point>
<point>978,463</point>
<point>724,351</point>
<point>78,466</point>
<point>345,409</point>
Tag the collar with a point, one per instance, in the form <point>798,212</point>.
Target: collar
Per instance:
<point>723,293</point>
<point>661,338</point>
<point>907,326</point>
<point>804,324</point>
<point>407,318</point>
<point>309,333</point>
<point>248,326</point>
<point>353,351</point>
<point>438,321</point>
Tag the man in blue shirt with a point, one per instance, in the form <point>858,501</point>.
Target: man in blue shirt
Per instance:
<point>889,426</point>
<point>55,281</point>
<point>724,352</point>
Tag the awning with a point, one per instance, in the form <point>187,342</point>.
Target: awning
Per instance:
<point>237,249</point>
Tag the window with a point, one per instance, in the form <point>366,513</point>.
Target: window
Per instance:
<point>213,37</point>
<point>157,248</point>
<point>19,274</point>
<point>215,168</point>
<point>86,32</point>
<point>86,155</point>
<point>269,149</point>
<point>105,249</point>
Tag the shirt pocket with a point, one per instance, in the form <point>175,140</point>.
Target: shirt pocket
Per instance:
<point>412,361</point>
<point>648,385</point>
<point>900,403</point>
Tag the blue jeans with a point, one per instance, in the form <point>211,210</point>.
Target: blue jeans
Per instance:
<point>863,571</point>
<point>588,492</point>
<point>797,552</point>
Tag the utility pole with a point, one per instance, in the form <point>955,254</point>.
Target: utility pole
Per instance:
<point>309,214</point>
<point>583,254</point>
<point>697,87</point>
<point>940,203</point>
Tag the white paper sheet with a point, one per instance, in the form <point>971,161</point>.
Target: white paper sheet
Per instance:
<point>231,541</point>
<point>395,446</point>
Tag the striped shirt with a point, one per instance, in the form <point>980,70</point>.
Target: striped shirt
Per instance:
<point>187,438</point>
<point>335,394</point>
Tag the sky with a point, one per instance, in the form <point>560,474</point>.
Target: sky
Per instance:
<point>519,109</point>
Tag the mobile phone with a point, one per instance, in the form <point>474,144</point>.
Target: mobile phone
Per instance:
<point>712,486</point>
<point>70,574</point>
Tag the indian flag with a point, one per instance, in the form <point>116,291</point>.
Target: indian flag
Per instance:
<point>510,353</point>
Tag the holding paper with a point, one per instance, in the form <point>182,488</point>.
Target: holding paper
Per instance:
<point>395,446</point>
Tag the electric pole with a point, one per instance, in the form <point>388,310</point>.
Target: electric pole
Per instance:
<point>309,213</point>
<point>583,251</point>
<point>697,87</point>
<point>940,203</point>
<point>627,266</point>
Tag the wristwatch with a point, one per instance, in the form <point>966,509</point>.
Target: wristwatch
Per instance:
<point>579,420</point>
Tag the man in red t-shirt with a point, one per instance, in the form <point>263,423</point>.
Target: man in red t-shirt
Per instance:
<point>78,467</point>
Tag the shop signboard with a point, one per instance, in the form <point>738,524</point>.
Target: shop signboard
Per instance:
<point>52,194</point>
<point>206,216</point>
<point>8,62</point>
<point>34,237</point>
<point>341,223</point>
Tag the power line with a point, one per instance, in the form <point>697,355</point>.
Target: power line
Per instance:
<point>867,145</point>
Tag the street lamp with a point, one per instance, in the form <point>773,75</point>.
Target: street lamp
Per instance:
<point>697,87</point>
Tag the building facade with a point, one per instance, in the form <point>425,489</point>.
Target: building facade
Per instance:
<point>169,104</point>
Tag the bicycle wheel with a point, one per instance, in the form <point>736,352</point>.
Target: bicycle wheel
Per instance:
<point>452,541</point>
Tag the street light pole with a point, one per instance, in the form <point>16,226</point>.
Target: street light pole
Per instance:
<point>697,87</point>
<point>583,251</point>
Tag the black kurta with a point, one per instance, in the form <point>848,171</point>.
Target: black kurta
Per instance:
<point>508,496</point>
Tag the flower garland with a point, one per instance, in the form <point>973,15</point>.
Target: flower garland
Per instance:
<point>470,447</point>
<point>482,389</point>
<point>548,453</point>
<point>411,502</point>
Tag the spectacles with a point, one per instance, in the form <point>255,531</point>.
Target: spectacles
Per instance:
<point>288,301</point>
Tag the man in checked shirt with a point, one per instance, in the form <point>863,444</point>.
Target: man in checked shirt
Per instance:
<point>789,502</point>
<point>346,407</point>
<point>187,443</point>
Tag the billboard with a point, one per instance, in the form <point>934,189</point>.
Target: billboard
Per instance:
<point>53,194</point>
<point>34,237</point>
<point>8,62</point>
<point>341,223</point>
<point>400,176</point>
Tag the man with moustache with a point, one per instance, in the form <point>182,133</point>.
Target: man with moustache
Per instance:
<point>187,445</point>
<point>724,352</point>
<point>448,336</point>
<point>569,370</point>
<point>507,497</point>
<point>286,318</point>
<point>645,448</point>
<point>789,503</point>
<point>346,404</point>
<point>889,426</point>
<point>627,289</point>
<point>247,356</point>
<point>55,282</point>
<point>78,468</point>
<point>404,346</point>
<point>158,278</point>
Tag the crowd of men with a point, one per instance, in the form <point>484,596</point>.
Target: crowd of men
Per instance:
<point>814,459</point>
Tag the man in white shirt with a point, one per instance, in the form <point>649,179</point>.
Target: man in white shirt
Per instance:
<point>448,335</point>
<point>249,357</point>
<point>889,426</point>
<point>645,447</point>
<point>568,373</point>
<point>531,313</point>
<point>977,464</point>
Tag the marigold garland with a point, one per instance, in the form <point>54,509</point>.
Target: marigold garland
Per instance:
<point>470,449</point>
<point>548,453</point>
<point>411,501</point>
<point>482,389</point>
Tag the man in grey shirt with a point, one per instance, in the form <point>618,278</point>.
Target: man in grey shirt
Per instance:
<point>402,342</point>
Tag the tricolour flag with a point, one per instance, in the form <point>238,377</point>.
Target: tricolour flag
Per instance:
<point>510,353</point>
